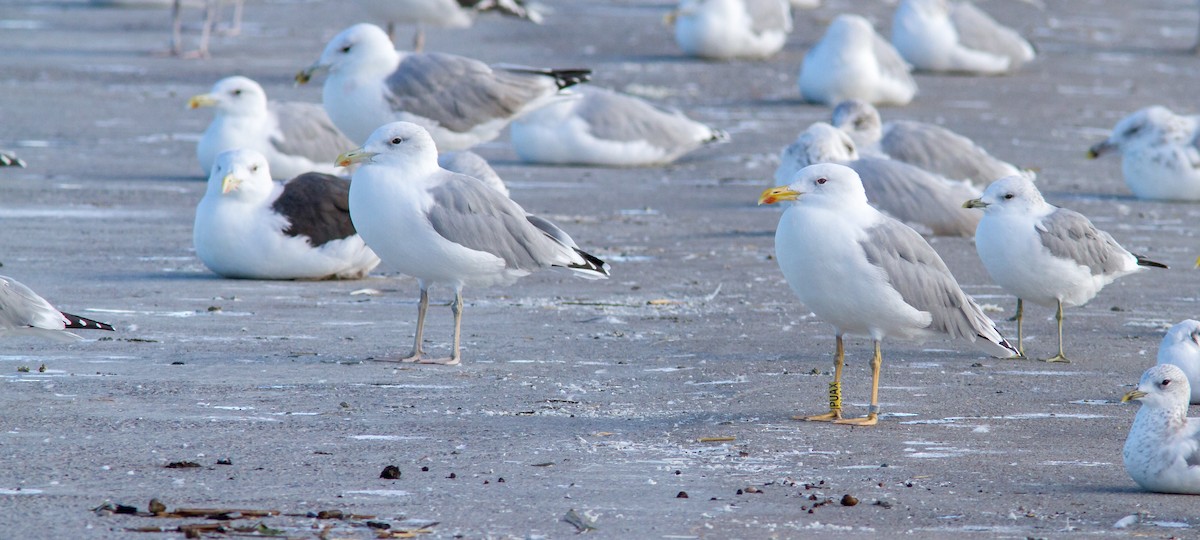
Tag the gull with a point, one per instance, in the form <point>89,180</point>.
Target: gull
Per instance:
<point>443,13</point>
<point>248,226</point>
<point>905,192</point>
<point>949,36</point>
<point>469,163</point>
<point>23,312</point>
<point>460,101</point>
<point>211,9</point>
<point>728,29</point>
<point>1160,153</point>
<point>1162,452</point>
<point>597,126</point>
<point>1181,348</point>
<point>853,62</point>
<point>294,136</point>
<point>445,228</point>
<point>867,274</point>
<point>1044,254</point>
<point>8,159</point>
<point>928,146</point>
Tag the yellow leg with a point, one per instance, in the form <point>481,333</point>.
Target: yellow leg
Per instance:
<point>835,388</point>
<point>1020,316</point>
<point>873,412</point>
<point>1060,357</point>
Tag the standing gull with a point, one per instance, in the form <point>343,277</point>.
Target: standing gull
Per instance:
<point>23,312</point>
<point>442,13</point>
<point>928,146</point>
<point>1047,255</point>
<point>248,226</point>
<point>1162,452</point>
<point>951,36</point>
<point>1160,154</point>
<point>445,228</point>
<point>596,126</point>
<point>1181,348</point>
<point>905,192</point>
<point>853,62</point>
<point>728,29</point>
<point>294,136</point>
<point>868,274</point>
<point>461,101</point>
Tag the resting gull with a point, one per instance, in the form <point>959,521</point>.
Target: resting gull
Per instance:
<point>928,146</point>
<point>951,36</point>
<point>460,101</point>
<point>445,228</point>
<point>23,312</point>
<point>596,126</point>
<point>905,192</point>
<point>867,274</point>
<point>1047,255</point>
<point>295,137</point>
<point>728,29</point>
<point>1160,153</point>
<point>853,62</point>
<point>1162,452</point>
<point>1181,348</point>
<point>248,226</point>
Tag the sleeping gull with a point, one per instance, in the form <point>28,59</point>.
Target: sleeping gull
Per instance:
<point>867,274</point>
<point>928,146</point>
<point>1181,348</point>
<point>1047,255</point>
<point>442,13</point>
<point>8,159</point>
<point>460,101</point>
<point>905,192</point>
<point>596,126</point>
<point>1162,452</point>
<point>853,62</point>
<point>248,226</point>
<point>951,36</point>
<point>444,228</point>
<point>727,29</point>
<point>295,137</point>
<point>23,312</point>
<point>1160,154</point>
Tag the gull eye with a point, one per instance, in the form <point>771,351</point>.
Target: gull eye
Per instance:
<point>1165,382</point>
<point>397,140</point>
<point>254,168</point>
<point>237,92</point>
<point>1008,196</point>
<point>822,180</point>
<point>346,49</point>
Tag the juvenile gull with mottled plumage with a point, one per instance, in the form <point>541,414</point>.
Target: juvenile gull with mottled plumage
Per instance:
<point>868,274</point>
<point>461,101</point>
<point>445,228</point>
<point>23,312</point>
<point>1160,153</point>
<point>295,137</point>
<point>248,226</point>
<point>1047,255</point>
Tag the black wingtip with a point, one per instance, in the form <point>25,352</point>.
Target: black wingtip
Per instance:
<point>1142,261</point>
<point>75,321</point>
<point>593,263</point>
<point>565,78</point>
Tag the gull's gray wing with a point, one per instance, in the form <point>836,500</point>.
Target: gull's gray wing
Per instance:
<point>942,151</point>
<point>306,130</point>
<point>1070,235</point>
<point>891,63</point>
<point>769,15</point>
<point>460,93</point>
<point>916,271</point>
<point>316,205</point>
<point>978,30</point>
<point>473,165</point>
<point>468,213</point>
<point>20,307</point>
<point>618,117</point>
<point>913,195</point>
